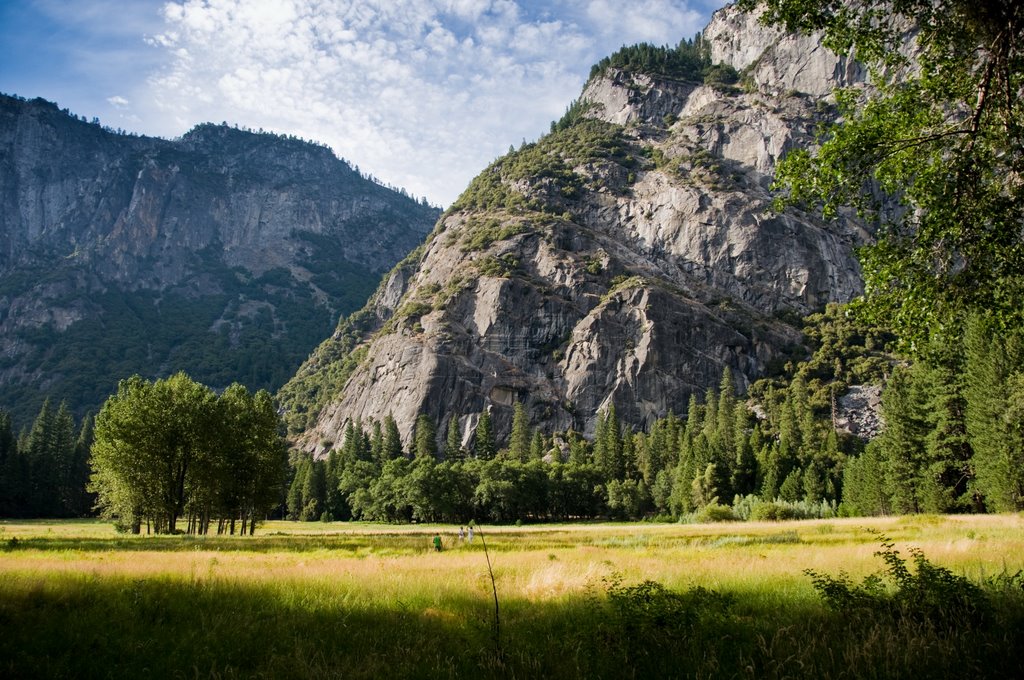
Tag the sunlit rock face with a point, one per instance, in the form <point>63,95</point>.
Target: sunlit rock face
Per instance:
<point>630,275</point>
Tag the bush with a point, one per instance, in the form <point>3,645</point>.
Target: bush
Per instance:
<point>757,509</point>
<point>931,593</point>
<point>650,613</point>
<point>715,512</point>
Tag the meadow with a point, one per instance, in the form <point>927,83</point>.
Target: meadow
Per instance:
<point>313,600</point>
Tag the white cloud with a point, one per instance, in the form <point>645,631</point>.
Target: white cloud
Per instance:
<point>421,94</point>
<point>118,102</point>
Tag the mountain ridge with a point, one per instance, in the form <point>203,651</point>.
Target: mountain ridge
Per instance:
<point>212,253</point>
<point>625,259</point>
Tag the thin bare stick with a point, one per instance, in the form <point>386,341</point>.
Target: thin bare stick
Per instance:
<point>494,589</point>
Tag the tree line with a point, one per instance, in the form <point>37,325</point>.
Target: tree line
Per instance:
<point>952,441</point>
<point>954,435</point>
<point>44,469</point>
<point>718,454</point>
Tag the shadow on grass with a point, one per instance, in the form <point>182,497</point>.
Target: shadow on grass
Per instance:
<point>85,626</point>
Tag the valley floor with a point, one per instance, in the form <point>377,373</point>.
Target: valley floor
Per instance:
<point>590,600</point>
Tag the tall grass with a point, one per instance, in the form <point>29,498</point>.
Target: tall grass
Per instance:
<point>592,601</point>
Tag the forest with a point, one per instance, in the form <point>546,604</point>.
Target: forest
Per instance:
<point>952,442</point>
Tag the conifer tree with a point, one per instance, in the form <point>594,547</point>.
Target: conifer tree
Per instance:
<point>903,440</point>
<point>377,443</point>
<point>392,445</point>
<point>426,437</point>
<point>863,491</point>
<point>743,471</point>
<point>9,464</point>
<point>519,440</point>
<point>82,501</point>
<point>295,489</point>
<point>992,390</point>
<point>726,414</point>
<point>947,469</point>
<point>608,445</point>
<point>537,446</point>
<point>314,492</point>
<point>484,439</point>
<point>453,440</point>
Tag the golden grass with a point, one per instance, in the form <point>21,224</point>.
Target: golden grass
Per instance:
<point>364,601</point>
<point>545,562</point>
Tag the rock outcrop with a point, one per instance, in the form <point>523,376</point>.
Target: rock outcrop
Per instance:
<point>625,259</point>
<point>225,253</point>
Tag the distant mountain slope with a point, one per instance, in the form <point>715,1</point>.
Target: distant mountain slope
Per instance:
<point>625,259</point>
<point>225,253</point>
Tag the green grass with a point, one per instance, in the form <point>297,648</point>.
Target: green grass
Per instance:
<point>315,600</point>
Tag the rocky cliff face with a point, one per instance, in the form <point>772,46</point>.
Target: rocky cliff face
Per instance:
<point>225,253</point>
<point>626,259</point>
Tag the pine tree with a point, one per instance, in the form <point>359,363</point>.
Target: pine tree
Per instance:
<point>863,490</point>
<point>377,444</point>
<point>948,452</point>
<point>726,415</point>
<point>608,446</point>
<point>484,439</point>
<point>295,490</point>
<point>538,447</point>
<point>82,501</point>
<point>9,461</point>
<point>392,447</point>
<point>38,448</point>
<point>744,467</point>
<point>904,409</point>
<point>519,441</point>
<point>426,437</point>
<point>993,419</point>
<point>453,440</point>
<point>629,458</point>
<point>62,456</point>
<point>314,492</point>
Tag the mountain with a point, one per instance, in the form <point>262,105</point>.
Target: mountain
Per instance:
<point>624,259</point>
<point>225,253</point>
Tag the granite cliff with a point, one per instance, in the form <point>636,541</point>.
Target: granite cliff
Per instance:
<point>624,259</point>
<point>225,253</point>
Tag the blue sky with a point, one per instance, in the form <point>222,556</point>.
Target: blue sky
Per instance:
<point>420,93</point>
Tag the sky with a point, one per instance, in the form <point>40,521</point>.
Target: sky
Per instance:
<point>422,94</point>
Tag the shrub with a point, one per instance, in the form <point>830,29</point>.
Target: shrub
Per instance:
<point>757,509</point>
<point>715,512</point>
<point>930,593</point>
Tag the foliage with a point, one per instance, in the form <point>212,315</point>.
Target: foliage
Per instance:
<point>330,365</point>
<point>255,330</point>
<point>44,473</point>
<point>757,509</point>
<point>478,234</point>
<point>929,593</point>
<point>172,447</point>
<point>715,512</point>
<point>647,618</point>
<point>994,395</point>
<point>539,177</point>
<point>686,61</point>
<point>942,137</point>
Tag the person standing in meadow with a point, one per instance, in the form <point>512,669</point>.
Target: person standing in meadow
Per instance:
<point>437,542</point>
<point>462,534</point>
<point>469,534</point>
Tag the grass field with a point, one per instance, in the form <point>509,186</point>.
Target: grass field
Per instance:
<point>360,601</point>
